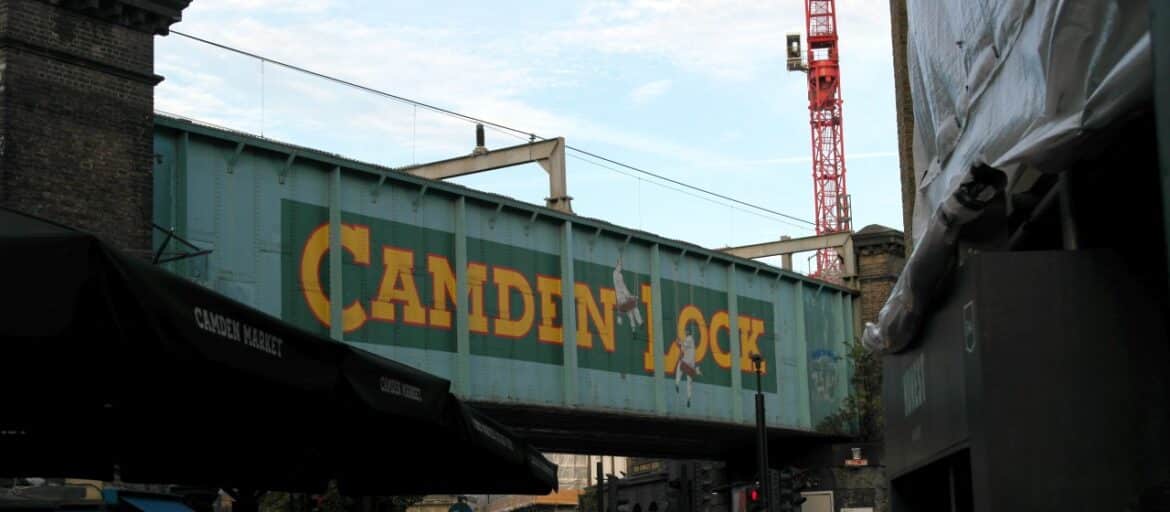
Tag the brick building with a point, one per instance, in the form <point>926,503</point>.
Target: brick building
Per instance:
<point>76,105</point>
<point>881,254</point>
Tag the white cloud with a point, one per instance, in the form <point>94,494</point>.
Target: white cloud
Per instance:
<point>438,66</point>
<point>726,40</point>
<point>649,90</point>
<point>500,77</point>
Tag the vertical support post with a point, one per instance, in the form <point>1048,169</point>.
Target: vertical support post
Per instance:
<point>656,344</point>
<point>847,334</point>
<point>182,160</point>
<point>849,321</point>
<point>179,193</point>
<point>782,340</point>
<point>568,315</point>
<point>733,341</point>
<point>335,274</point>
<point>600,487</point>
<point>762,435</point>
<point>803,406</point>
<point>849,257</point>
<point>847,318</point>
<point>462,291</point>
<point>558,187</point>
<point>841,328</point>
<point>786,259</point>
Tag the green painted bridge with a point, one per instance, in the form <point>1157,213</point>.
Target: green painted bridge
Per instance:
<point>586,335</point>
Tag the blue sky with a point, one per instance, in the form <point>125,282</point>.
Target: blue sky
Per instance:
<point>697,91</point>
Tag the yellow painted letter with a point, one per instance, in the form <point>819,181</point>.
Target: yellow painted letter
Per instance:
<point>507,280</point>
<point>398,286</point>
<point>720,322</point>
<point>476,277</point>
<point>750,330</point>
<point>442,290</point>
<point>356,240</point>
<point>601,318</point>
<point>549,330</point>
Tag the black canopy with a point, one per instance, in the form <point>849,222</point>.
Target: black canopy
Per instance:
<point>107,362</point>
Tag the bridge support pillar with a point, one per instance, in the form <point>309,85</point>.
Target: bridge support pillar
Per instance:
<point>803,405</point>
<point>569,322</point>
<point>658,328</point>
<point>462,289</point>
<point>335,280</point>
<point>733,341</point>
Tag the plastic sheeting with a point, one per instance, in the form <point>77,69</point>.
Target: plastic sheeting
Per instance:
<point>1010,85</point>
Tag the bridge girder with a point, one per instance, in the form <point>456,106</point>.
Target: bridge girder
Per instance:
<point>550,154</point>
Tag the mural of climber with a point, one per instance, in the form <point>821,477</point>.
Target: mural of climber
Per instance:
<point>627,303</point>
<point>686,364</point>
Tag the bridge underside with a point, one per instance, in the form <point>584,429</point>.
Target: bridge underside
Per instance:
<point>554,429</point>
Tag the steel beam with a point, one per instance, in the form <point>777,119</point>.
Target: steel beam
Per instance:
<point>550,154</point>
<point>787,247</point>
<point>235,158</point>
<point>292,157</point>
<point>790,246</point>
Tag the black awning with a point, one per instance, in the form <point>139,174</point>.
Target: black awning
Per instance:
<point>106,361</point>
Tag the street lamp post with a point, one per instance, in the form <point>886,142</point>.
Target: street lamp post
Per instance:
<point>762,433</point>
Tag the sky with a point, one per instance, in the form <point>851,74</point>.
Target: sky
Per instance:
<point>694,90</point>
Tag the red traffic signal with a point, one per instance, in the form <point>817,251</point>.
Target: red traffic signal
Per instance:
<point>753,494</point>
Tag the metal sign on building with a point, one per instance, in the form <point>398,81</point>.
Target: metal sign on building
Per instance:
<point>514,303</point>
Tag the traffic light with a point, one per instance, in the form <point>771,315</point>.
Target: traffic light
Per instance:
<point>789,499</point>
<point>747,498</point>
<point>755,499</point>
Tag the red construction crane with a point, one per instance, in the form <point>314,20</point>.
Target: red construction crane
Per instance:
<point>828,138</point>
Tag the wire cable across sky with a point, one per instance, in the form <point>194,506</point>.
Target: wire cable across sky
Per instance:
<point>485,122</point>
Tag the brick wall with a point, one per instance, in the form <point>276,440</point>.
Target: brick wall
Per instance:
<point>76,103</point>
<point>881,254</point>
<point>905,115</point>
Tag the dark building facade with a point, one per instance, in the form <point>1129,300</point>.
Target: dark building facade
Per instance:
<point>658,485</point>
<point>76,106</point>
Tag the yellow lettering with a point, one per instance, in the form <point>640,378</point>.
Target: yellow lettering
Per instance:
<point>750,330</point>
<point>355,240</point>
<point>602,318</point>
<point>689,314</point>
<point>398,287</point>
<point>506,281</point>
<point>720,322</point>
<point>476,278</point>
<point>442,290</point>
<point>549,331</point>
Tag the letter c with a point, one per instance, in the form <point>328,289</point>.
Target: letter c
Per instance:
<point>355,240</point>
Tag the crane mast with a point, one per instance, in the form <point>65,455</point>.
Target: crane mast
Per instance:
<point>832,213</point>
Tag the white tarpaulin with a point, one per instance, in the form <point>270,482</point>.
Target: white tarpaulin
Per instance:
<point>1008,85</point>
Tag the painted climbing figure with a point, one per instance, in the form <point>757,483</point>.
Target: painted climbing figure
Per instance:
<point>686,364</point>
<point>627,303</point>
